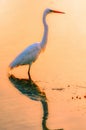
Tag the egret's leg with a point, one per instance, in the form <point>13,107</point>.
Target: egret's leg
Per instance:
<point>29,72</point>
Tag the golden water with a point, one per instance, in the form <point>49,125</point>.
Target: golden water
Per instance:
<point>60,72</point>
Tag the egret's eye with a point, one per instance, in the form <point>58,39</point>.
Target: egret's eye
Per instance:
<point>51,11</point>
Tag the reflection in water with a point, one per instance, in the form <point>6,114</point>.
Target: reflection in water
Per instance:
<point>29,88</point>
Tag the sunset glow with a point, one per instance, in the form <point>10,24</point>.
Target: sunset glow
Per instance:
<point>60,72</point>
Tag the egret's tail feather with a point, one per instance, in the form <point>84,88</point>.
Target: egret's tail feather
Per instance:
<point>13,64</point>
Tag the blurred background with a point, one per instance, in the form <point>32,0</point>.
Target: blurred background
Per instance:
<point>62,64</point>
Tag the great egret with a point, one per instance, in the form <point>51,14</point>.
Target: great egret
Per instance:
<point>31,53</point>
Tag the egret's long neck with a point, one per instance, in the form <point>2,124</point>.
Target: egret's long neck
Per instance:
<point>44,39</point>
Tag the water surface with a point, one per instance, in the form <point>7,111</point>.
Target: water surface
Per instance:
<point>55,97</point>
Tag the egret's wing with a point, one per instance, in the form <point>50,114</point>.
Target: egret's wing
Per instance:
<point>28,56</point>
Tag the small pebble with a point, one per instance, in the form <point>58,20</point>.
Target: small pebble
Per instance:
<point>84,96</point>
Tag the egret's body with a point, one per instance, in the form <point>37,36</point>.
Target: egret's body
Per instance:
<point>31,53</point>
<point>28,56</point>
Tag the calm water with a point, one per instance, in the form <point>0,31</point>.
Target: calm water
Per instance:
<point>55,97</point>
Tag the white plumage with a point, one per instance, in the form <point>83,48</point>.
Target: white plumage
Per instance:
<point>31,53</point>
<point>28,56</point>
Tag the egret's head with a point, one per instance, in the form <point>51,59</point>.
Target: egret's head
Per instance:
<point>53,11</point>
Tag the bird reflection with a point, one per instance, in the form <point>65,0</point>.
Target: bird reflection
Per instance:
<point>32,90</point>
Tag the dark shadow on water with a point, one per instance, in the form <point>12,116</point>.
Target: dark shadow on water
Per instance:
<point>32,90</point>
